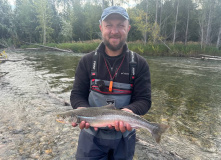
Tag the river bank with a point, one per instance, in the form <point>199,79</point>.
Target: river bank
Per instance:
<point>177,50</point>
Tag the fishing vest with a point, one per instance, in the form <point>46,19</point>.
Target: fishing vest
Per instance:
<point>104,92</point>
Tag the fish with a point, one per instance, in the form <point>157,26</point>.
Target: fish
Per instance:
<point>107,115</point>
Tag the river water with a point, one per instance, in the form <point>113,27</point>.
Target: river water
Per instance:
<point>185,94</point>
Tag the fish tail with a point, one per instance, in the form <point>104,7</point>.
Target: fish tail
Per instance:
<point>158,131</point>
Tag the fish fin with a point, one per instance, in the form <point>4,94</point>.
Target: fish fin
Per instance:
<point>156,133</point>
<point>109,106</point>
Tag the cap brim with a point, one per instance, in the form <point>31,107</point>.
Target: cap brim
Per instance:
<point>114,13</point>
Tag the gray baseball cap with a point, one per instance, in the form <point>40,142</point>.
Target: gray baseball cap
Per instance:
<point>114,9</point>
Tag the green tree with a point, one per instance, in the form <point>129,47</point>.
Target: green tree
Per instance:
<point>26,21</point>
<point>167,19</point>
<point>44,16</point>
<point>217,24</point>
<point>186,24</point>
<point>140,19</point>
<point>92,17</point>
<point>79,27</point>
<point>176,19</point>
<point>6,23</point>
<point>68,19</point>
<point>56,22</point>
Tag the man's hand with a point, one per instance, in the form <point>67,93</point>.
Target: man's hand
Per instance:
<point>126,109</point>
<point>121,126</point>
<point>83,124</point>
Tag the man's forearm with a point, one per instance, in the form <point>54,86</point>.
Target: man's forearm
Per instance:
<point>78,100</point>
<point>140,107</point>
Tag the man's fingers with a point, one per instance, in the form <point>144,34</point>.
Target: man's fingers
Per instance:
<point>74,124</point>
<point>82,125</point>
<point>95,128</point>
<point>122,127</point>
<point>116,125</point>
<point>128,110</point>
<point>110,126</point>
<point>128,127</point>
<point>81,107</point>
<point>87,125</point>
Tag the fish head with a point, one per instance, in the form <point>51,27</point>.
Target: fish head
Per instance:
<point>67,118</point>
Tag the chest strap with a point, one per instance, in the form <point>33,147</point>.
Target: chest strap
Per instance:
<point>133,65</point>
<point>94,67</point>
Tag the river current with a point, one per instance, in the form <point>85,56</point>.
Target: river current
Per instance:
<point>185,94</point>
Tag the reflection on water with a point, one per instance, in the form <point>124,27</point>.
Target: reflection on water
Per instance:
<point>185,94</point>
<point>57,68</point>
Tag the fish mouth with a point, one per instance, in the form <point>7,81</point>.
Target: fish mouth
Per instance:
<point>60,121</point>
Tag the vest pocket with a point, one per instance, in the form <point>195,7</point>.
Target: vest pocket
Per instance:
<point>114,92</point>
<point>97,99</point>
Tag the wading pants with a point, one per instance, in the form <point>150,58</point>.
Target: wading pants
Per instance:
<point>93,148</point>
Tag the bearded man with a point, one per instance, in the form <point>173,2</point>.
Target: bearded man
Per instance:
<point>112,74</point>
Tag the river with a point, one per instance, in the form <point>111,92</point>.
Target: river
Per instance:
<point>185,94</point>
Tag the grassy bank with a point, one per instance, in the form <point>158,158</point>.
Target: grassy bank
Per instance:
<point>83,47</point>
<point>179,49</point>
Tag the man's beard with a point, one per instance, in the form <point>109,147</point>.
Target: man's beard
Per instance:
<point>114,48</point>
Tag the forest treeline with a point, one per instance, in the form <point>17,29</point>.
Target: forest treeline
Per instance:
<point>153,21</point>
